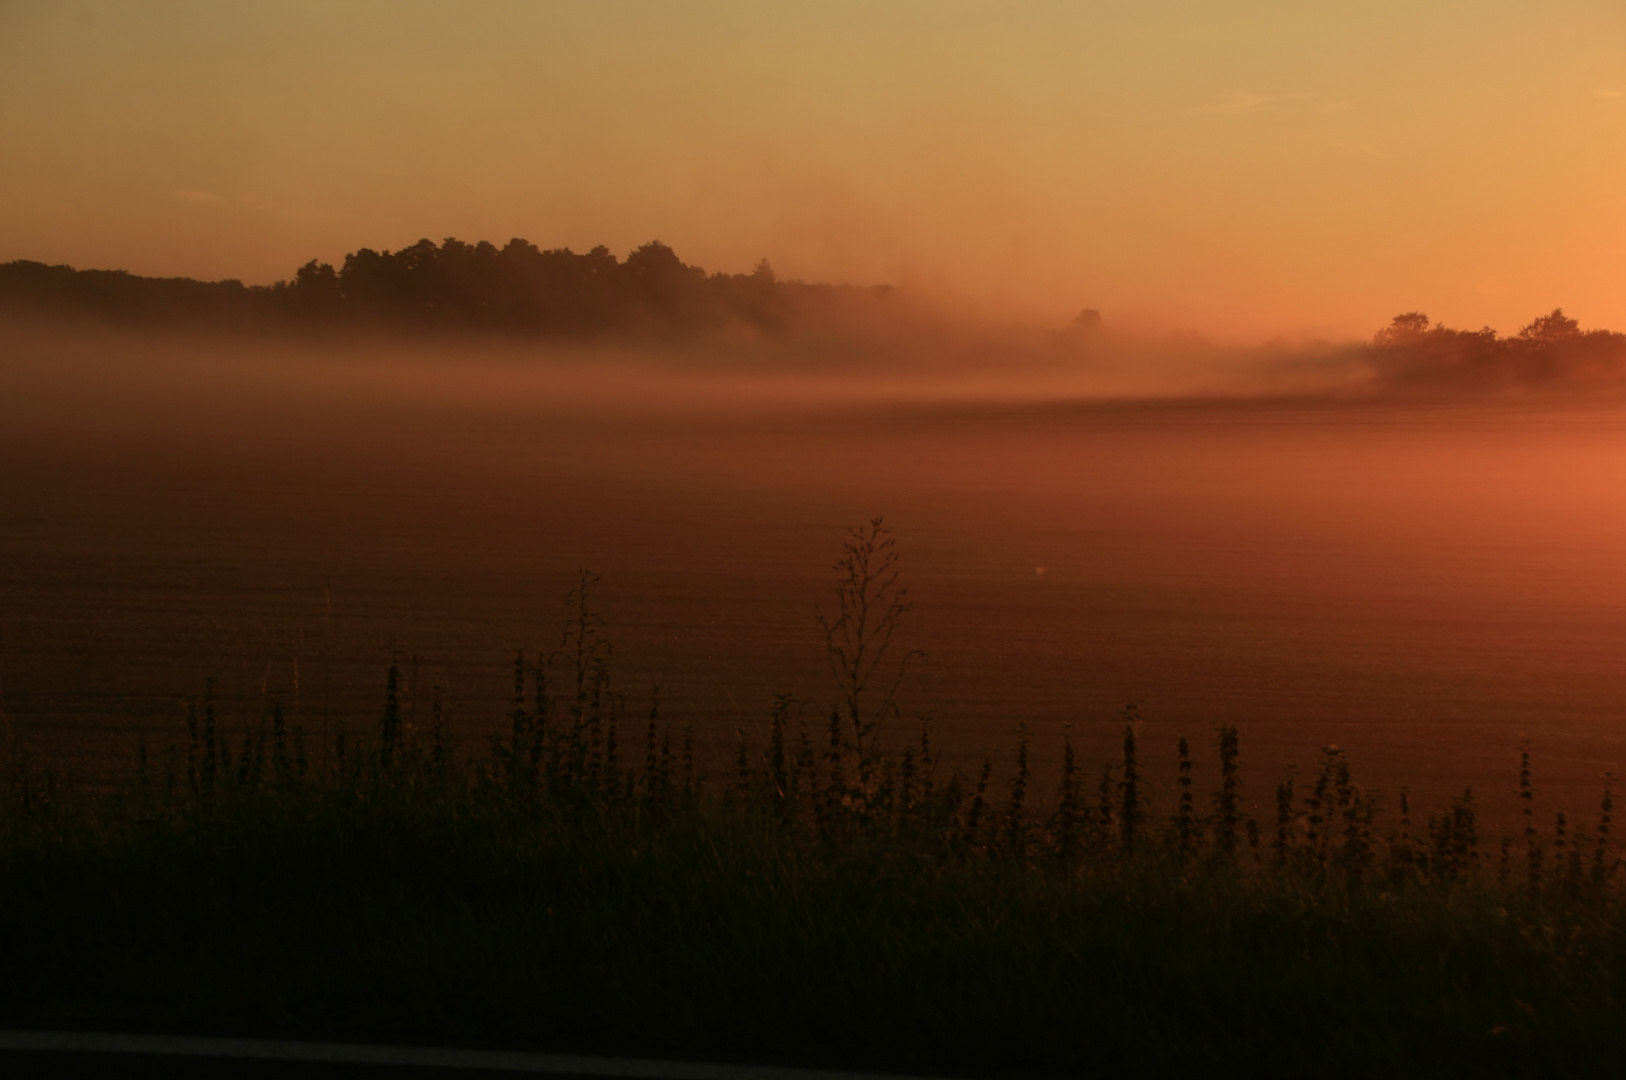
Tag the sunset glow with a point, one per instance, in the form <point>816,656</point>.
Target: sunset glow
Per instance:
<point>1242,170</point>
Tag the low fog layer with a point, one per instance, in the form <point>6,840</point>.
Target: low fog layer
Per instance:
<point>1270,542</point>
<point>585,322</point>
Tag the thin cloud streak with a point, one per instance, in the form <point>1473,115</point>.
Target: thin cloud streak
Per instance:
<point>1238,102</point>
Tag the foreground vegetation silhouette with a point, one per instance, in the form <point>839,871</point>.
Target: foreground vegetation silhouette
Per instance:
<point>834,897</point>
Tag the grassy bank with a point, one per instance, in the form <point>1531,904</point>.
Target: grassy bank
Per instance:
<point>831,899</point>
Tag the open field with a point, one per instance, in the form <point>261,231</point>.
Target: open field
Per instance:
<point>1422,585</point>
<point>306,850</point>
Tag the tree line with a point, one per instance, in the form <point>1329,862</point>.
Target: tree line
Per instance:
<point>1551,350</point>
<point>456,285</point>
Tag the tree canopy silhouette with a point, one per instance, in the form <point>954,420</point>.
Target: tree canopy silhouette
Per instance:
<point>1550,351</point>
<point>456,285</point>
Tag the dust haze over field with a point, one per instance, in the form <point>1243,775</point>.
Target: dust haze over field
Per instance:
<point>1218,535</point>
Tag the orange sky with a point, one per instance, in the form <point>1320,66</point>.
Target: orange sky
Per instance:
<point>1241,168</point>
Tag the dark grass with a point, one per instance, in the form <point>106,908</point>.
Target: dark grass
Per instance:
<point>832,900</point>
<point>720,938</point>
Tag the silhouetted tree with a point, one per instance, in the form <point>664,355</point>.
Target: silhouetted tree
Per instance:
<point>314,290</point>
<point>1551,329</point>
<point>1087,321</point>
<point>1403,330</point>
<point>1550,351</point>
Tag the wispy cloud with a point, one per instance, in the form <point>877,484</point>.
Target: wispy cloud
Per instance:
<point>1610,93</point>
<point>1237,101</point>
<point>247,202</point>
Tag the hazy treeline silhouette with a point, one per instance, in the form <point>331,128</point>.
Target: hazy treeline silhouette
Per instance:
<point>652,294</point>
<point>516,288</point>
<point>1551,351</point>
